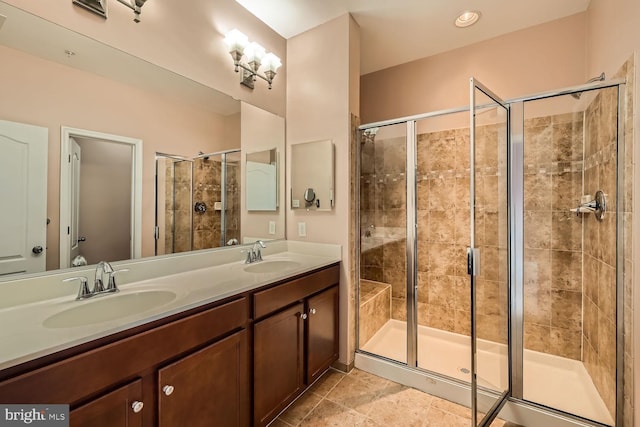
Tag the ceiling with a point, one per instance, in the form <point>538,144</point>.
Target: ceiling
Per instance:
<point>397,31</point>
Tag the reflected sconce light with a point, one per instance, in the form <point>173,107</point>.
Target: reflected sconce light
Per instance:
<point>136,6</point>
<point>99,7</point>
<point>255,57</point>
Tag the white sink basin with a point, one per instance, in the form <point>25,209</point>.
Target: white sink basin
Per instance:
<point>271,266</point>
<point>108,307</point>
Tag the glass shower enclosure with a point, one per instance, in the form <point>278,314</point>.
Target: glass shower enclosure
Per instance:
<point>197,201</point>
<point>490,251</point>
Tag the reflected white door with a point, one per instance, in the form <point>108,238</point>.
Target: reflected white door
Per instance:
<point>75,160</point>
<point>23,192</point>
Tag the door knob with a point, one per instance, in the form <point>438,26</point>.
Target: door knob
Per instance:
<point>303,316</point>
<point>137,406</point>
<point>37,250</point>
<point>168,390</point>
<point>312,311</point>
<point>82,239</point>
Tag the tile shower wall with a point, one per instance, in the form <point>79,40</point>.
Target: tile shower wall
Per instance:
<point>207,186</point>
<point>599,335</point>
<point>233,202</point>
<point>553,164</point>
<point>553,184</point>
<point>443,228</point>
<point>383,217</point>
<point>178,207</point>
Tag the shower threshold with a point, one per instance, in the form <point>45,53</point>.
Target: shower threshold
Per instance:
<point>549,380</point>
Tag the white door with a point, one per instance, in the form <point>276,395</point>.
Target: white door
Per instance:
<point>23,192</point>
<point>75,160</point>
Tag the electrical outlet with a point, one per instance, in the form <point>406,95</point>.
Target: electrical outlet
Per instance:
<point>302,229</point>
<point>272,227</point>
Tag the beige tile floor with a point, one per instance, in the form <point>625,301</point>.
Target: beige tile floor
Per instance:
<point>362,399</point>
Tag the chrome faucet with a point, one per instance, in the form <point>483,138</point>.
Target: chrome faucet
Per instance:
<point>254,254</point>
<point>98,284</point>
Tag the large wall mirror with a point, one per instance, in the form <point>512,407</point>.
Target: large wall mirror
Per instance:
<point>53,78</point>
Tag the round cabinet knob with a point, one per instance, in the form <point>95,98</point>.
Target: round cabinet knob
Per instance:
<point>37,250</point>
<point>312,311</point>
<point>303,316</point>
<point>137,406</point>
<point>167,390</point>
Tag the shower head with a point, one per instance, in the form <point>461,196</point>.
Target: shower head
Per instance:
<point>599,78</point>
<point>202,156</point>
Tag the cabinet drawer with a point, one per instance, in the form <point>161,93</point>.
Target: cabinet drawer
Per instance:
<point>280,296</point>
<point>77,377</point>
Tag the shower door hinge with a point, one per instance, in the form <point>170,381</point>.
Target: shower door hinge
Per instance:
<point>473,261</point>
<point>156,232</point>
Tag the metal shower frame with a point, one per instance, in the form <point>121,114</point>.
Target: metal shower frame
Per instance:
<point>515,167</point>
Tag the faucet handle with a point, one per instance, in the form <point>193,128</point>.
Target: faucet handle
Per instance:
<point>257,254</point>
<point>83,291</point>
<point>249,258</point>
<point>111,286</point>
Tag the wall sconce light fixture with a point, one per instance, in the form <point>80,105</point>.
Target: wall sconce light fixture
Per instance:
<point>99,7</point>
<point>255,56</point>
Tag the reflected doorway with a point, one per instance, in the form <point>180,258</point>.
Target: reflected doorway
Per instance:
<point>100,198</point>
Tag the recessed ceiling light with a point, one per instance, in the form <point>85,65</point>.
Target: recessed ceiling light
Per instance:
<point>467,18</point>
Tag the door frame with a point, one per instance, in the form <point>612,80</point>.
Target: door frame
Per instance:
<point>65,188</point>
<point>473,254</point>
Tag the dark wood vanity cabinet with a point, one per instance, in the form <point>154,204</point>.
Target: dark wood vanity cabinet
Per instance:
<point>295,339</point>
<point>195,368</point>
<point>202,354</point>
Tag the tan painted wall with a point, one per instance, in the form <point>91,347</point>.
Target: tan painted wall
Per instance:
<point>262,130</point>
<point>318,106</point>
<point>540,58</point>
<point>87,101</point>
<point>184,37</point>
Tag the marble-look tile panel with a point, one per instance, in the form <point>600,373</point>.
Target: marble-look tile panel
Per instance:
<point>566,270</point>
<point>566,309</point>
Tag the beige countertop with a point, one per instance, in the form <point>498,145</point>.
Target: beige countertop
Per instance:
<point>197,279</point>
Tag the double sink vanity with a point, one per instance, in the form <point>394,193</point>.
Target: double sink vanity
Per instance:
<point>195,339</point>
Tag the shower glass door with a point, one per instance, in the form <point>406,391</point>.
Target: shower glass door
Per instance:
<point>383,302</point>
<point>488,254</point>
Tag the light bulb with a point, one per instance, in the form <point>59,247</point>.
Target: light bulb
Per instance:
<point>271,62</point>
<point>235,40</point>
<point>254,52</point>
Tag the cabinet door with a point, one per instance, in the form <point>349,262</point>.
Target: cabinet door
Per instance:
<point>322,330</point>
<point>208,387</point>
<point>120,408</point>
<point>278,362</point>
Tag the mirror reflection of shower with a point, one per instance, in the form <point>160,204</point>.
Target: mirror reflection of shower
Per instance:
<point>197,201</point>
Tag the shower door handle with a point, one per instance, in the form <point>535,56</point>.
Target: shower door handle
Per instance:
<point>473,261</point>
